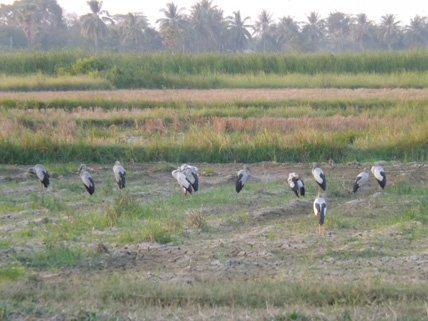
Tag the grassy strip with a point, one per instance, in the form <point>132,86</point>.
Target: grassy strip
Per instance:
<point>131,64</point>
<point>99,153</point>
<point>39,82</point>
<point>255,294</point>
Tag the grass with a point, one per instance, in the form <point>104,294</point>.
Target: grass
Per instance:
<point>71,262</point>
<point>344,129</point>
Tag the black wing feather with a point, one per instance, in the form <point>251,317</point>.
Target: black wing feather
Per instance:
<point>45,180</point>
<point>122,180</point>
<point>323,185</point>
<point>90,189</point>
<point>195,185</point>
<point>382,183</point>
<point>239,184</point>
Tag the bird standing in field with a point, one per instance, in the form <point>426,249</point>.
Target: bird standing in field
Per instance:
<point>319,177</point>
<point>320,210</point>
<point>296,184</point>
<point>379,174</point>
<point>191,173</point>
<point>119,174</point>
<point>183,182</point>
<point>362,179</point>
<point>41,173</point>
<point>87,180</point>
<point>242,178</point>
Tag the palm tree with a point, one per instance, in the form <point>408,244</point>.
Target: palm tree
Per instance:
<point>239,30</point>
<point>207,24</point>
<point>172,26</point>
<point>361,30</point>
<point>93,25</point>
<point>288,33</point>
<point>132,28</point>
<point>263,26</point>
<point>314,30</point>
<point>417,32</point>
<point>338,26</point>
<point>390,29</point>
<point>27,15</point>
<point>174,17</point>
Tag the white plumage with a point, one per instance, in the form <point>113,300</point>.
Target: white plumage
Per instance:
<point>41,173</point>
<point>296,184</point>
<point>243,175</point>
<point>182,181</point>
<point>319,176</point>
<point>119,174</point>
<point>362,178</point>
<point>320,211</point>
<point>87,180</point>
<point>379,174</point>
<point>191,173</point>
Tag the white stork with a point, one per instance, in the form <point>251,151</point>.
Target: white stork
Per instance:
<point>296,184</point>
<point>361,179</point>
<point>319,177</point>
<point>87,180</point>
<point>320,210</point>
<point>119,174</point>
<point>183,182</point>
<point>41,173</point>
<point>191,173</point>
<point>379,174</point>
<point>242,178</point>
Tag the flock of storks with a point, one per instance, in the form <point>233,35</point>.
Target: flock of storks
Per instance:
<point>187,177</point>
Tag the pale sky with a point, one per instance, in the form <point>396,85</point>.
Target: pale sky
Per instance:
<point>298,9</point>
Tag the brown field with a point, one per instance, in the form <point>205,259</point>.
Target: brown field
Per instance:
<point>262,235</point>
<point>223,95</point>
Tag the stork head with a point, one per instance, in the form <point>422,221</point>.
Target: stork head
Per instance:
<point>117,163</point>
<point>314,165</point>
<point>82,168</point>
<point>366,170</point>
<point>183,167</point>
<point>246,167</point>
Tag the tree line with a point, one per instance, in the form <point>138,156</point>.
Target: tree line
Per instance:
<point>42,25</point>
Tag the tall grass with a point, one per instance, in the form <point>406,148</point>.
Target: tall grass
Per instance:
<point>276,63</point>
<point>216,70</point>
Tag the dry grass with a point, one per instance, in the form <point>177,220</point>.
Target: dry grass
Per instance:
<point>222,95</point>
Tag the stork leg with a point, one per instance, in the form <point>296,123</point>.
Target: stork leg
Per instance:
<point>319,228</point>
<point>183,192</point>
<point>323,230</point>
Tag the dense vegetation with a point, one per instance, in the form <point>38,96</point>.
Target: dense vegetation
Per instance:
<point>41,24</point>
<point>71,70</point>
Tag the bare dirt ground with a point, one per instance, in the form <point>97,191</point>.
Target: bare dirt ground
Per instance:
<point>251,237</point>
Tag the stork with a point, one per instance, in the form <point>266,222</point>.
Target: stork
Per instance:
<point>319,177</point>
<point>191,173</point>
<point>296,184</point>
<point>87,180</point>
<point>183,182</point>
<point>41,173</point>
<point>379,174</point>
<point>243,174</point>
<point>320,210</point>
<point>119,174</point>
<point>361,179</point>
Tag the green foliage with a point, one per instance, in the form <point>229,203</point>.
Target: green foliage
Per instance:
<point>59,256</point>
<point>216,70</point>
<point>12,273</point>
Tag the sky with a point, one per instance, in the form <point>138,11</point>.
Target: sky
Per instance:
<point>298,9</point>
